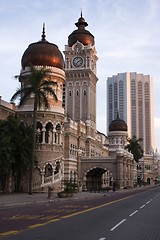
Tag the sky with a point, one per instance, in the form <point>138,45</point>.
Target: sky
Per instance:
<point>127,38</point>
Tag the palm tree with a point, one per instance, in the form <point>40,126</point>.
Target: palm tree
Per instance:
<point>134,147</point>
<point>37,85</point>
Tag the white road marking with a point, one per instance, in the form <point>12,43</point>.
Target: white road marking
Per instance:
<point>142,206</point>
<point>112,229</point>
<point>133,213</point>
<point>102,238</point>
<point>147,202</point>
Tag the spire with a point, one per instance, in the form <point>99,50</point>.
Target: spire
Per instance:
<point>117,114</point>
<point>81,22</point>
<point>43,33</point>
<point>81,12</point>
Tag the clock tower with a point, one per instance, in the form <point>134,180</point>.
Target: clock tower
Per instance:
<point>81,79</point>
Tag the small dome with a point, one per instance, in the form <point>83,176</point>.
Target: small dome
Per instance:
<point>81,34</point>
<point>156,154</point>
<point>118,125</point>
<point>42,53</point>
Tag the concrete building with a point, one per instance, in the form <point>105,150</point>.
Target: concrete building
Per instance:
<point>131,94</point>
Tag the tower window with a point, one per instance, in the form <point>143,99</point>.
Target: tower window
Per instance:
<point>70,93</point>
<point>77,92</point>
<point>84,92</point>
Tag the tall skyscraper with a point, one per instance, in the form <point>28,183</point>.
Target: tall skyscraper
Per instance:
<point>131,94</point>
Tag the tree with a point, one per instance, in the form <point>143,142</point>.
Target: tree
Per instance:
<point>15,151</point>
<point>134,147</point>
<point>6,155</point>
<point>23,151</point>
<point>36,84</point>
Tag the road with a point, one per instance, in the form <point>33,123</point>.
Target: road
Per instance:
<point>133,216</point>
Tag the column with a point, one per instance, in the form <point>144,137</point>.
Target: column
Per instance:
<point>42,174</point>
<point>54,132</point>
<point>53,170</point>
<point>43,134</point>
<point>120,171</point>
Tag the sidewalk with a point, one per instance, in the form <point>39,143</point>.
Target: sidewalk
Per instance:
<point>17,199</point>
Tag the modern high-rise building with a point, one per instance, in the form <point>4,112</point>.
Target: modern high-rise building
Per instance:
<point>131,95</point>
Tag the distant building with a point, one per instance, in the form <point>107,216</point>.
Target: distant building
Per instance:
<point>148,168</point>
<point>6,108</point>
<point>131,95</point>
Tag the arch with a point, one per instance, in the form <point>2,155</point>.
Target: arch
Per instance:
<point>77,92</point>
<point>49,133</point>
<point>70,93</point>
<point>39,134</point>
<point>67,63</point>
<point>58,127</point>
<point>57,167</point>
<point>77,46</point>
<point>148,181</point>
<point>84,92</point>
<point>84,83</point>
<point>94,178</point>
<point>70,84</point>
<point>57,133</point>
<point>48,170</point>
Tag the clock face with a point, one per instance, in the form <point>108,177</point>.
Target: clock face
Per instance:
<point>77,61</point>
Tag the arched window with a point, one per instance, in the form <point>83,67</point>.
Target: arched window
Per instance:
<point>39,133</point>
<point>57,168</point>
<point>67,63</point>
<point>49,133</point>
<point>77,93</point>
<point>58,132</point>
<point>58,127</point>
<point>70,93</point>
<point>48,170</point>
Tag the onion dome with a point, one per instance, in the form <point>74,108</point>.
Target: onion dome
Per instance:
<point>42,53</point>
<point>81,34</point>
<point>118,125</point>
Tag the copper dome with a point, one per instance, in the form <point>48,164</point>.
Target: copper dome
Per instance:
<point>81,34</point>
<point>42,53</point>
<point>118,125</point>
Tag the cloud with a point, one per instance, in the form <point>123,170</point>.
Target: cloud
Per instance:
<point>157,123</point>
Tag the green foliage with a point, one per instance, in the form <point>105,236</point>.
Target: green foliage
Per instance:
<point>15,150</point>
<point>70,187</point>
<point>37,85</point>
<point>134,147</point>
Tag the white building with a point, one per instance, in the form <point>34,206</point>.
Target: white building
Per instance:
<point>131,95</point>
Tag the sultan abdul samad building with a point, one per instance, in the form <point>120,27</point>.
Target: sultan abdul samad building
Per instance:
<point>68,145</point>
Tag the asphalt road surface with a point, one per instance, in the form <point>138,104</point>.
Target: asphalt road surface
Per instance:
<point>127,217</point>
